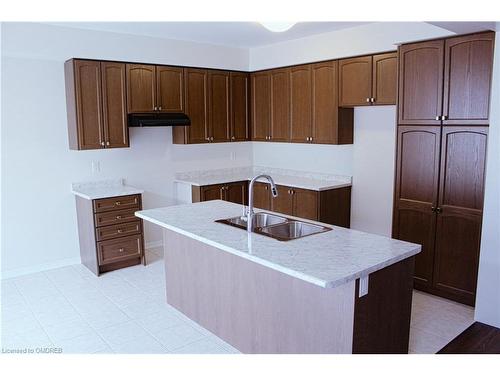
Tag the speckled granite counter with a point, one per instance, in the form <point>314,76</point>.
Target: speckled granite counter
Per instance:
<point>328,259</point>
<point>286,177</point>
<point>103,189</point>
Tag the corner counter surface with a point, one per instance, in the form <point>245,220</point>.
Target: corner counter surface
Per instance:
<point>327,259</point>
<point>103,189</point>
<point>286,177</point>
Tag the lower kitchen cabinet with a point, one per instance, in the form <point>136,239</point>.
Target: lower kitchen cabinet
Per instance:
<point>111,236</point>
<point>235,192</point>
<point>328,206</point>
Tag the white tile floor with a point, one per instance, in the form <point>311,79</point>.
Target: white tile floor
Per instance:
<point>125,312</point>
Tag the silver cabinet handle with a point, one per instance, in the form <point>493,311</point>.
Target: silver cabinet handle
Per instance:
<point>444,117</point>
<point>310,139</point>
<point>159,108</point>
<point>233,138</point>
<point>120,250</point>
<point>102,144</point>
<point>107,143</point>
<point>438,118</point>
<point>155,108</point>
<point>372,100</point>
<point>368,100</point>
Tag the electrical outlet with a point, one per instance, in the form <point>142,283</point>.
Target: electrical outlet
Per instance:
<point>233,155</point>
<point>96,167</point>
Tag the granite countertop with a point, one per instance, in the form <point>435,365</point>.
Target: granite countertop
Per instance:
<point>327,259</point>
<point>292,178</point>
<point>103,189</point>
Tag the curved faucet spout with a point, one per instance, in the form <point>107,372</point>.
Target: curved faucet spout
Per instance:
<point>250,213</point>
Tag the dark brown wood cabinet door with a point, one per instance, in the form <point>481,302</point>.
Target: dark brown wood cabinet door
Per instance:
<point>283,203</point>
<point>239,106</point>
<point>301,104</point>
<point>88,95</point>
<point>212,192</point>
<point>262,196</point>
<point>280,105</point>
<point>305,203</point>
<point>416,194</point>
<point>261,105</point>
<point>196,81</point>
<point>141,88</point>
<point>324,103</point>
<point>355,81</point>
<point>461,186</point>
<point>467,79</point>
<point>421,82</point>
<point>114,104</point>
<point>218,106</point>
<point>385,78</point>
<point>169,89</point>
<point>236,192</point>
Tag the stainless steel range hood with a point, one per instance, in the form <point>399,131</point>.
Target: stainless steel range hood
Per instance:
<point>158,119</point>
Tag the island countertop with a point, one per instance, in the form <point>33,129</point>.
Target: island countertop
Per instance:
<point>326,259</point>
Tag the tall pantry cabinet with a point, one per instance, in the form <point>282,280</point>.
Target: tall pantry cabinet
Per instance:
<point>443,107</point>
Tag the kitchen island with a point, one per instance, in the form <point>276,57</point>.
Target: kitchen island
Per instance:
<point>341,291</point>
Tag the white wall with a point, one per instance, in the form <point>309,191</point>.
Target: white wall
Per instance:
<point>38,211</point>
<point>370,38</point>
<point>488,289</point>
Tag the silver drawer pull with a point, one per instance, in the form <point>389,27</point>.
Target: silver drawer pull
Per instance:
<point>118,217</point>
<point>120,250</point>
<point>118,203</point>
<point>120,231</point>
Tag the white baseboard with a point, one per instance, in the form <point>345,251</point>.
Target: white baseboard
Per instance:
<point>8,274</point>
<point>153,244</point>
<point>16,272</point>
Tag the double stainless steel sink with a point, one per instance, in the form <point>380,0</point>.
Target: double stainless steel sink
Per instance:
<point>278,227</point>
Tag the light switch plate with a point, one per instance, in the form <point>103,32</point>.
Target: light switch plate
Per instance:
<point>96,167</point>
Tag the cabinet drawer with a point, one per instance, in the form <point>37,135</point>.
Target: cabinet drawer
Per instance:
<point>119,230</point>
<point>114,217</point>
<point>111,251</point>
<point>117,203</point>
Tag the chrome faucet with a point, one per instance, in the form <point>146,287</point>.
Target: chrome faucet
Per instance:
<point>250,212</point>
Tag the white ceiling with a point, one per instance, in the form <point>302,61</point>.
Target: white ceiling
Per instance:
<point>234,34</point>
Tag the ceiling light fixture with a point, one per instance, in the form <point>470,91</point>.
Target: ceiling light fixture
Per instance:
<point>278,27</point>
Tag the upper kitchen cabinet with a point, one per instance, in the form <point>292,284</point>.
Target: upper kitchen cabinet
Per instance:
<point>95,99</point>
<point>169,89</point>
<point>218,106</point>
<point>467,65</point>
<point>141,88</point>
<point>261,106</point>
<point>114,104</point>
<point>301,103</point>
<point>196,81</point>
<point>368,80</point>
<point>421,83</point>
<point>280,105</point>
<point>355,81</point>
<point>239,88</point>
<point>384,78</point>
<point>446,81</point>
<point>330,124</point>
<point>153,88</point>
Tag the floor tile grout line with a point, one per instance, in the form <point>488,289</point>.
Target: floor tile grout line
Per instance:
<point>33,313</point>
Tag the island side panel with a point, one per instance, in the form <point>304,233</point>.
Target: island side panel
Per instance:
<point>382,317</point>
<point>252,307</point>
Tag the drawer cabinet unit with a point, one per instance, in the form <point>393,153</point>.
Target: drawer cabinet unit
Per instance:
<point>368,80</point>
<point>152,88</point>
<point>111,236</point>
<point>96,104</point>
